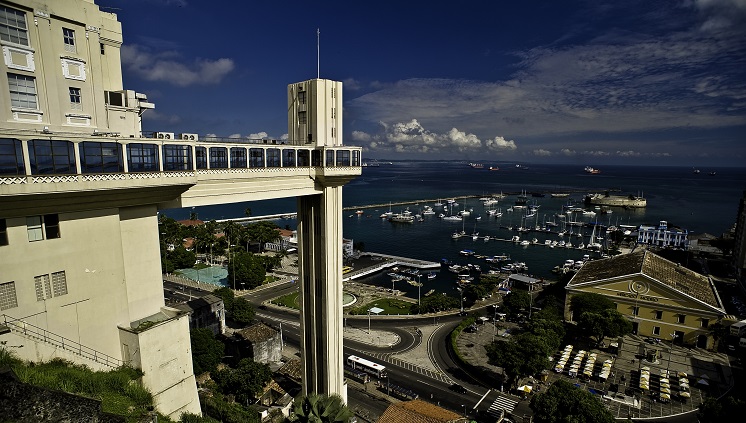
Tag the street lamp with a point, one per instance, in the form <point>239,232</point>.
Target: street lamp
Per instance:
<point>464,407</point>
<point>670,350</point>
<point>419,287</point>
<point>461,296</point>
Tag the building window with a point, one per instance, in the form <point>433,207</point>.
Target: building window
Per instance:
<point>238,157</point>
<point>200,154</point>
<point>635,310</point>
<point>11,157</point>
<point>3,232</point>
<point>288,157</point>
<point>13,26</point>
<point>355,158</point>
<point>301,97</point>
<point>343,158</point>
<point>218,158</point>
<point>680,318</point>
<point>329,157</point>
<point>22,91</point>
<point>43,227</point>
<point>273,157</point>
<point>316,158</point>
<point>59,283</point>
<point>49,286</point>
<point>142,157</point>
<point>177,157</point>
<point>51,157</point>
<point>75,103</point>
<point>101,157</point>
<point>68,35</point>
<point>8,297</point>
<point>656,330</point>
<point>101,47</point>
<point>658,314</point>
<point>304,158</point>
<point>256,157</point>
<point>302,117</point>
<point>704,323</point>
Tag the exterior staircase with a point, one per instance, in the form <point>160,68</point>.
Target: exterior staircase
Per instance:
<point>55,343</point>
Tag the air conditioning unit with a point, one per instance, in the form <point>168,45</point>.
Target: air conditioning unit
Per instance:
<point>189,137</point>
<point>163,135</point>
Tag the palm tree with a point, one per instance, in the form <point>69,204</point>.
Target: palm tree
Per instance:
<point>315,408</point>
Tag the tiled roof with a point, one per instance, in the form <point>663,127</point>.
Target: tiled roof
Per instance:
<point>653,266</point>
<point>257,333</point>
<point>418,411</point>
<point>291,369</point>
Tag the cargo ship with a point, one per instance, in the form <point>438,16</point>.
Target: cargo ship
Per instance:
<point>628,201</point>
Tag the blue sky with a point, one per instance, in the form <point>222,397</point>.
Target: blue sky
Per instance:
<point>587,82</point>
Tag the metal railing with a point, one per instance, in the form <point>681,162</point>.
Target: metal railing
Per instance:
<point>43,335</point>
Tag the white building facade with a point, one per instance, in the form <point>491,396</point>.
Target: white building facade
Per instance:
<point>80,189</point>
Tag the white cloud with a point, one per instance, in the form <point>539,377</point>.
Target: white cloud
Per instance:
<point>258,136</point>
<point>234,136</point>
<point>412,137</point>
<point>165,66</point>
<point>542,152</point>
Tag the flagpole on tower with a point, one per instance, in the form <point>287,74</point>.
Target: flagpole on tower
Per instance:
<point>318,50</point>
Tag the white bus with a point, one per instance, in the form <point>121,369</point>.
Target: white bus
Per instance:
<point>367,366</point>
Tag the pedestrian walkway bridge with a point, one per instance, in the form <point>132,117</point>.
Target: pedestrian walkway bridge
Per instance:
<point>174,172</point>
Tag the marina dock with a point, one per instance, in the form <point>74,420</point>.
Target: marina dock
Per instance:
<point>388,261</point>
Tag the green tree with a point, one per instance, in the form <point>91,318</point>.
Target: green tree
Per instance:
<point>242,311</point>
<point>608,322</point>
<point>589,301</point>
<point>714,409</point>
<point>524,354</point>
<point>315,408</point>
<point>516,301</point>
<point>245,382</point>
<point>435,303</point>
<point>218,408</point>
<point>181,257</point>
<point>206,350</point>
<point>246,270</point>
<point>227,295</point>
<point>263,232</point>
<point>563,402</point>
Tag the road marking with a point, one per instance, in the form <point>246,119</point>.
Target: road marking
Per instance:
<point>503,403</point>
<point>482,399</point>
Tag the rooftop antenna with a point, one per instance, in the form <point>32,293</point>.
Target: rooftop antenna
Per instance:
<point>317,53</point>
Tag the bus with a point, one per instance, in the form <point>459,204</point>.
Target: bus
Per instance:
<point>356,374</point>
<point>367,366</point>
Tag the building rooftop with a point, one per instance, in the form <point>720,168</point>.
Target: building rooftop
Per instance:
<point>258,332</point>
<point>418,411</point>
<point>655,267</point>
<point>198,303</point>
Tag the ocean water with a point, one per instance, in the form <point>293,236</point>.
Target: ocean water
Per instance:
<point>695,202</point>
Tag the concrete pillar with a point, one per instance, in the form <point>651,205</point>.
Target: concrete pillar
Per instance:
<point>320,276</point>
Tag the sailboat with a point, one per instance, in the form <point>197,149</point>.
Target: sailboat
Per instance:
<point>592,244</point>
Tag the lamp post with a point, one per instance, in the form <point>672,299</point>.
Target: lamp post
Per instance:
<point>419,287</point>
<point>461,296</point>
<point>369,321</point>
<point>670,350</point>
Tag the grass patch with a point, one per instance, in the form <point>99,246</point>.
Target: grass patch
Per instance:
<point>118,390</point>
<point>390,306</point>
<point>290,300</point>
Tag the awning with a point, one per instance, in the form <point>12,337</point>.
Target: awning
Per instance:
<point>525,388</point>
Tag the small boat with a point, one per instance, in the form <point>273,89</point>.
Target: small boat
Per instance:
<point>559,194</point>
<point>432,275</point>
<point>591,170</point>
<point>401,218</point>
<point>525,243</point>
<point>359,212</point>
<point>494,168</point>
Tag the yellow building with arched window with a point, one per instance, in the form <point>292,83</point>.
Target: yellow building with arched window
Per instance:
<point>662,299</point>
